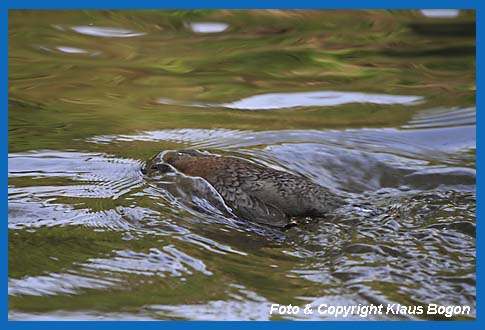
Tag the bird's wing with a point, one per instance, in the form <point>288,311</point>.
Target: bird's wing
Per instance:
<point>249,207</point>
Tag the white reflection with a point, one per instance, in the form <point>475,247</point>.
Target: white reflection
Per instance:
<point>208,27</point>
<point>311,99</point>
<point>440,13</point>
<point>55,284</point>
<point>71,50</point>
<point>66,50</point>
<point>107,32</point>
<point>305,99</point>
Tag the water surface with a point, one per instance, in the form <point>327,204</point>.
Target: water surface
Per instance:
<point>378,106</point>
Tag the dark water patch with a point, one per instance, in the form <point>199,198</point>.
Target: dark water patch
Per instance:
<point>441,29</point>
<point>443,51</point>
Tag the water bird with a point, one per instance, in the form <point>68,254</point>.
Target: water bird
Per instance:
<point>253,192</point>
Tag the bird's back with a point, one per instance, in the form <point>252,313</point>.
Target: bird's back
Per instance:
<point>265,194</point>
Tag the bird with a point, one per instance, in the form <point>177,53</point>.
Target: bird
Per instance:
<point>253,192</point>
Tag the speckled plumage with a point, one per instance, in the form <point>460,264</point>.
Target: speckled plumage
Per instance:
<point>256,192</point>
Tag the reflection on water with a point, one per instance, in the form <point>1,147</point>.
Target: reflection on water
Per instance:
<point>208,27</point>
<point>308,99</point>
<point>71,50</point>
<point>97,31</point>
<point>440,13</point>
<point>385,117</point>
<point>66,50</point>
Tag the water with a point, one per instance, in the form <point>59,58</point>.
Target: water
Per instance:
<point>378,106</point>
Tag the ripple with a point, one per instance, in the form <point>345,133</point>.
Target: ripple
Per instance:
<point>349,160</point>
<point>94,272</point>
<point>36,211</point>
<point>209,244</point>
<point>218,310</point>
<point>116,173</point>
<point>305,99</point>
<point>406,248</point>
<point>85,315</point>
<point>174,135</point>
<point>170,261</point>
<point>242,304</point>
<point>444,137</point>
<point>91,238</point>
<point>443,118</point>
<point>54,284</point>
<point>45,201</point>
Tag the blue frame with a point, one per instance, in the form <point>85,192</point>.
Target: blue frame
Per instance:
<point>247,4</point>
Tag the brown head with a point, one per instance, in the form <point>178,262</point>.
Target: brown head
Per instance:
<point>191,162</point>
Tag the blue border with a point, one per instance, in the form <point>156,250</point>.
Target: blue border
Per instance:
<point>238,4</point>
<point>479,156</point>
<point>236,325</point>
<point>4,176</point>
